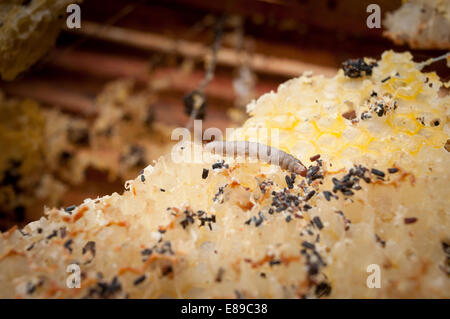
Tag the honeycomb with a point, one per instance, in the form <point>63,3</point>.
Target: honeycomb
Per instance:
<point>375,196</point>
<point>422,24</point>
<point>28,29</point>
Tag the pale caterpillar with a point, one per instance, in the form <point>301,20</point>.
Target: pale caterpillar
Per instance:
<point>259,151</point>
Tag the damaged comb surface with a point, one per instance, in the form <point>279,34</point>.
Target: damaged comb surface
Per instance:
<point>376,195</point>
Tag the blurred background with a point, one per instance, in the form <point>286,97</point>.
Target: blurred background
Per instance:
<point>99,103</point>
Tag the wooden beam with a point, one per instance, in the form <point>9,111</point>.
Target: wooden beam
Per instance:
<point>226,56</point>
<point>109,66</point>
<point>48,93</point>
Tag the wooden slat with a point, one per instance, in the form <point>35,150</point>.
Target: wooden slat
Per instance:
<point>48,93</point>
<point>226,56</point>
<point>110,66</point>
